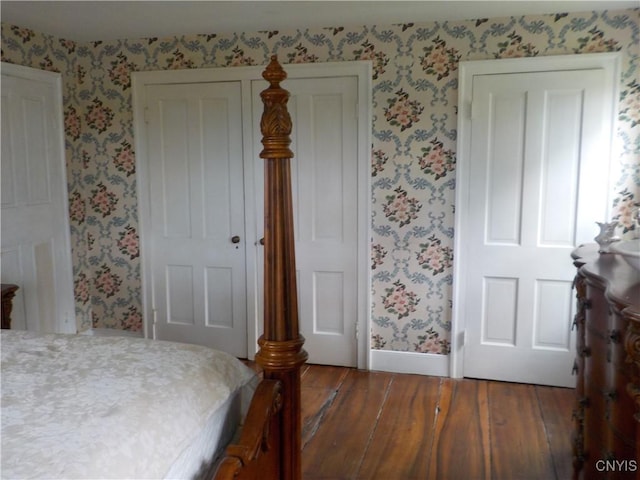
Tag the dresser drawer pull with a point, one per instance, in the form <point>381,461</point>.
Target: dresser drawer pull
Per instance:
<point>578,319</point>
<point>585,304</point>
<point>614,336</point>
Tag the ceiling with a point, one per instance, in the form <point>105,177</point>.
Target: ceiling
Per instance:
<point>109,20</point>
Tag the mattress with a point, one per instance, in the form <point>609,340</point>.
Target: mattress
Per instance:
<point>76,406</point>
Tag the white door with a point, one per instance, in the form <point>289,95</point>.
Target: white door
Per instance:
<point>536,181</point>
<point>36,252</point>
<point>197,240</point>
<point>325,199</point>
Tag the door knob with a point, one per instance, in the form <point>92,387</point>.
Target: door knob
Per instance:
<point>261,241</point>
<point>235,239</point>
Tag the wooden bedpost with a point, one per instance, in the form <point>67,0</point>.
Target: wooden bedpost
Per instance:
<point>281,354</point>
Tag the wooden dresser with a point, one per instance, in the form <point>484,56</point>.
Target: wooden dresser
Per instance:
<point>606,437</point>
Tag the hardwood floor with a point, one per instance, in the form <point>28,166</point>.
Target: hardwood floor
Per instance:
<point>375,425</point>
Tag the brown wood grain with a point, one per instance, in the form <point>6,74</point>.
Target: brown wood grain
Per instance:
<point>519,447</point>
<point>359,425</point>
<point>461,446</point>
<point>554,405</point>
<point>321,385</point>
<point>337,449</point>
<point>404,431</point>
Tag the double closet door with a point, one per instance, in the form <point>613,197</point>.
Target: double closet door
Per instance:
<point>202,255</point>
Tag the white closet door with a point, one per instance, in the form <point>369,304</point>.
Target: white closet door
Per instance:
<point>537,179</point>
<point>36,252</point>
<point>197,236</point>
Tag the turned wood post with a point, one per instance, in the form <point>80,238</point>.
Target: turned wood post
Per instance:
<point>281,354</point>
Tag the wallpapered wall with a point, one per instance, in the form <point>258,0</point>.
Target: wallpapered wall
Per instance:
<point>415,71</point>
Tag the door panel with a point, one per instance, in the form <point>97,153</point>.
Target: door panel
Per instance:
<point>36,253</point>
<point>531,144</point>
<point>197,208</point>
<point>324,191</point>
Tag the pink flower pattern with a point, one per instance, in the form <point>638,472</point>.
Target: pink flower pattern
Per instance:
<point>120,71</point>
<point>595,42</point>
<point>378,252</point>
<point>400,208</point>
<point>378,161</point>
<point>107,282</point>
<point>99,117</point>
<point>401,111</point>
<point>434,256</point>
<point>436,160</point>
<point>128,242</point>
<point>630,109</point>
<point>399,301</point>
<point>125,160</point>
<point>439,60</point>
<point>77,207</point>
<point>301,55</point>
<point>81,288</point>
<point>178,61</point>
<point>378,59</point>
<point>626,211</point>
<point>102,201</point>
<point>431,342</point>
<point>132,320</point>
<point>514,48</point>
<point>238,58</point>
<point>72,123</point>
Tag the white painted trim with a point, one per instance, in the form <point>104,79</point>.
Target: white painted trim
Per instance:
<point>410,362</point>
<point>610,62</point>
<point>362,70</point>
<point>139,100</point>
<point>111,332</point>
<point>66,321</point>
<point>365,123</point>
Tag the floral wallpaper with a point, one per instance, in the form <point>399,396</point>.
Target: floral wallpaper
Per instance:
<point>413,156</point>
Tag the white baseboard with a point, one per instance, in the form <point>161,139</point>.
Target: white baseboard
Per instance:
<point>110,332</point>
<point>410,362</point>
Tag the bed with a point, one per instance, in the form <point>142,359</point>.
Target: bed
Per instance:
<point>76,406</point>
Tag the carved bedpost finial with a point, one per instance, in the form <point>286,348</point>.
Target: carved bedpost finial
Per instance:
<point>274,73</point>
<point>276,122</point>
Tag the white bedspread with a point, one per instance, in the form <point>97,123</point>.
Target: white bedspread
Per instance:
<point>88,407</point>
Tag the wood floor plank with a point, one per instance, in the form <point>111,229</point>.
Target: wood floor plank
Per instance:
<point>402,440</point>
<point>518,441</point>
<point>337,449</point>
<point>323,376</point>
<point>555,405</point>
<point>319,388</point>
<point>462,446</point>
<point>359,425</point>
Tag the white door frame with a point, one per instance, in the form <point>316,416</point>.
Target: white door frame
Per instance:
<point>65,318</point>
<point>610,62</point>
<point>361,69</point>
